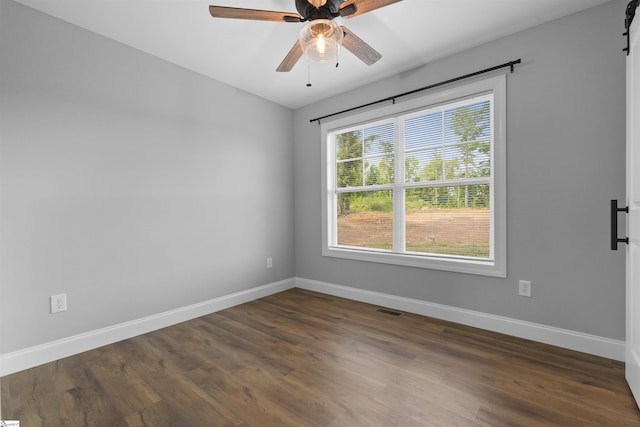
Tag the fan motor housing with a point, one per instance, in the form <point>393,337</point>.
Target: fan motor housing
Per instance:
<point>309,12</point>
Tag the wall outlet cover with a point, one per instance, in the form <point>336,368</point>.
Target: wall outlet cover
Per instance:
<point>58,303</point>
<point>524,288</point>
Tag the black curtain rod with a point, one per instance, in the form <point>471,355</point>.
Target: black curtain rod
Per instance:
<point>393,98</point>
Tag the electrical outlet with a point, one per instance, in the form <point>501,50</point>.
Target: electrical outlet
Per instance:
<point>269,262</point>
<point>58,303</point>
<point>524,288</point>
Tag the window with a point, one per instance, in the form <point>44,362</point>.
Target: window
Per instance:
<point>420,183</point>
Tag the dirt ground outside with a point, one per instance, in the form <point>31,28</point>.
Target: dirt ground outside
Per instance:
<point>463,232</point>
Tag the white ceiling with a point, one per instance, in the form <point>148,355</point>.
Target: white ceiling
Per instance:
<point>245,54</point>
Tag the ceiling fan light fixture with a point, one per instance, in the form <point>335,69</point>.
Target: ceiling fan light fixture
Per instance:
<point>318,3</point>
<point>320,40</point>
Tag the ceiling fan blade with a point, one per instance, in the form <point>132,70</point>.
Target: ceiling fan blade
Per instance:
<point>352,8</point>
<point>291,59</point>
<point>359,48</point>
<point>253,14</point>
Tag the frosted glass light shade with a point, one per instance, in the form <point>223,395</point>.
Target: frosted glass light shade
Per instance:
<point>320,40</point>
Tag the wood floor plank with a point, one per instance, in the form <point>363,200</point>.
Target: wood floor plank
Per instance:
<point>114,375</point>
<point>158,414</point>
<point>241,396</point>
<point>161,370</point>
<point>300,358</point>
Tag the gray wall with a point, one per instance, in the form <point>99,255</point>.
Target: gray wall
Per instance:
<point>131,184</point>
<point>565,153</point>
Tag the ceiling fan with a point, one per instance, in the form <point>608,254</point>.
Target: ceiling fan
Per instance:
<point>321,37</point>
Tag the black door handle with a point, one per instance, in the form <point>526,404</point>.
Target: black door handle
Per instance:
<point>614,225</point>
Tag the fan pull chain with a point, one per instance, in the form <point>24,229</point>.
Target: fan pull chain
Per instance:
<point>308,75</point>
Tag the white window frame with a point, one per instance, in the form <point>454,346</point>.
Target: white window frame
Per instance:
<point>495,266</point>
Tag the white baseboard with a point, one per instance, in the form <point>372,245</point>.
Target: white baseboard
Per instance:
<point>48,352</point>
<point>592,344</point>
<point>44,353</point>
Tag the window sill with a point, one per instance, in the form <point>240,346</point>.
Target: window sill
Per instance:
<point>459,265</point>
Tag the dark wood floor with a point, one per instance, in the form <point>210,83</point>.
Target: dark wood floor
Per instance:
<point>301,358</point>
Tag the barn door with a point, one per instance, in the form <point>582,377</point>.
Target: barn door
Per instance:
<point>633,203</point>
